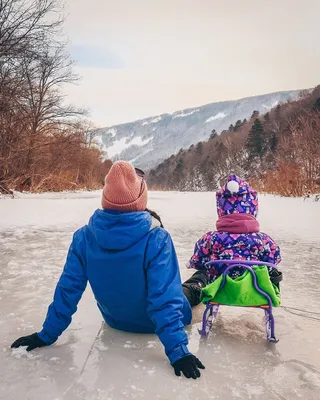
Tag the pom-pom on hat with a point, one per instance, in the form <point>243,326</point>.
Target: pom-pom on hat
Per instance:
<point>237,197</point>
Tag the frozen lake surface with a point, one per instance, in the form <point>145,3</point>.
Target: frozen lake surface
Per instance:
<point>94,362</point>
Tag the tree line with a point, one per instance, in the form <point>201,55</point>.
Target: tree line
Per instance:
<point>45,143</point>
<point>278,152</point>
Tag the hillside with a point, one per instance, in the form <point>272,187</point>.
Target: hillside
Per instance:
<point>149,141</point>
<point>278,151</point>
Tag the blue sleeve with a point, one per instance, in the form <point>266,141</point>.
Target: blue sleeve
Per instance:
<point>165,297</point>
<point>68,292</point>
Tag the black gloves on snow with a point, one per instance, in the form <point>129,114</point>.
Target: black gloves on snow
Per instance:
<point>32,341</point>
<point>189,366</point>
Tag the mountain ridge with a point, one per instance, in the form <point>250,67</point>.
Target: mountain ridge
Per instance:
<point>148,141</point>
<point>278,152</point>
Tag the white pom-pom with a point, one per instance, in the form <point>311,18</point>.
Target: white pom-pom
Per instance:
<point>233,186</point>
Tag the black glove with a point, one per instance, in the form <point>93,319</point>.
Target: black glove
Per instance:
<point>275,276</point>
<point>189,366</point>
<point>32,341</point>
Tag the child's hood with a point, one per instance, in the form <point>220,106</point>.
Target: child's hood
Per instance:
<point>237,197</point>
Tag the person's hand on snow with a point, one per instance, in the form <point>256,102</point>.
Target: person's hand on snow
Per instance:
<point>189,366</point>
<point>32,342</point>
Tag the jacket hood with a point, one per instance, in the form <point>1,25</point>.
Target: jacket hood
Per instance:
<point>118,230</point>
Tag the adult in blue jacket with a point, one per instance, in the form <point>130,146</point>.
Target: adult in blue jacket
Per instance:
<point>131,265</point>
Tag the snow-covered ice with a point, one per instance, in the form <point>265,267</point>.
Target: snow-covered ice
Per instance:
<point>93,362</point>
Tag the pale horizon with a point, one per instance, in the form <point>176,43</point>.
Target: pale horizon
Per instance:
<point>142,60</point>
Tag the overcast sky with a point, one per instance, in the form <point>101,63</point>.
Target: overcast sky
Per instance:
<point>140,58</point>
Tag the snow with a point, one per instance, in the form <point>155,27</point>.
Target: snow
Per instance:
<point>313,197</point>
<point>155,120</point>
<point>152,121</point>
<point>101,145</point>
<point>185,114</point>
<point>121,144</point>
<point>270,107</point>
<point>134,160</point>
<point>112,131</point>
<point>138,141</point>
<point>220,115</point>
<point>117,147</point>
<point>22,352</point>
<point>91,361</point>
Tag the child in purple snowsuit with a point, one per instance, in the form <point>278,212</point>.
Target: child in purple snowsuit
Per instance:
<point>238,234</point>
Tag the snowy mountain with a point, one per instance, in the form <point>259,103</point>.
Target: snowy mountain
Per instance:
<point>149,141</point>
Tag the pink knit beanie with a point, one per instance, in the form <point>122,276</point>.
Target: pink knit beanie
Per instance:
<point>124,190</point>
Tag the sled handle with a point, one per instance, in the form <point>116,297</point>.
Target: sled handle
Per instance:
<point>241,263</point>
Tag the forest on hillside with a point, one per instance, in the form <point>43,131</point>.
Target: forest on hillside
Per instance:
<point>278,152</point>
<point>45,143</point>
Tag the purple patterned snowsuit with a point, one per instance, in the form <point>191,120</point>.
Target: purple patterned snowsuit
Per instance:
<point>237,235</point>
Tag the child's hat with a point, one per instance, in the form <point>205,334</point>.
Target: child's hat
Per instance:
<point>237,197</point>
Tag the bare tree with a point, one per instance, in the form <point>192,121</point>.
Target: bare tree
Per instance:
<point>26,24</point>
<point>43,140</point>
<point>306,145</point>
<point>90,132</point>
<point>43,103</point>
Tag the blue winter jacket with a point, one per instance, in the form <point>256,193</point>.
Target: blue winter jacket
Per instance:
<point>133,271</point>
